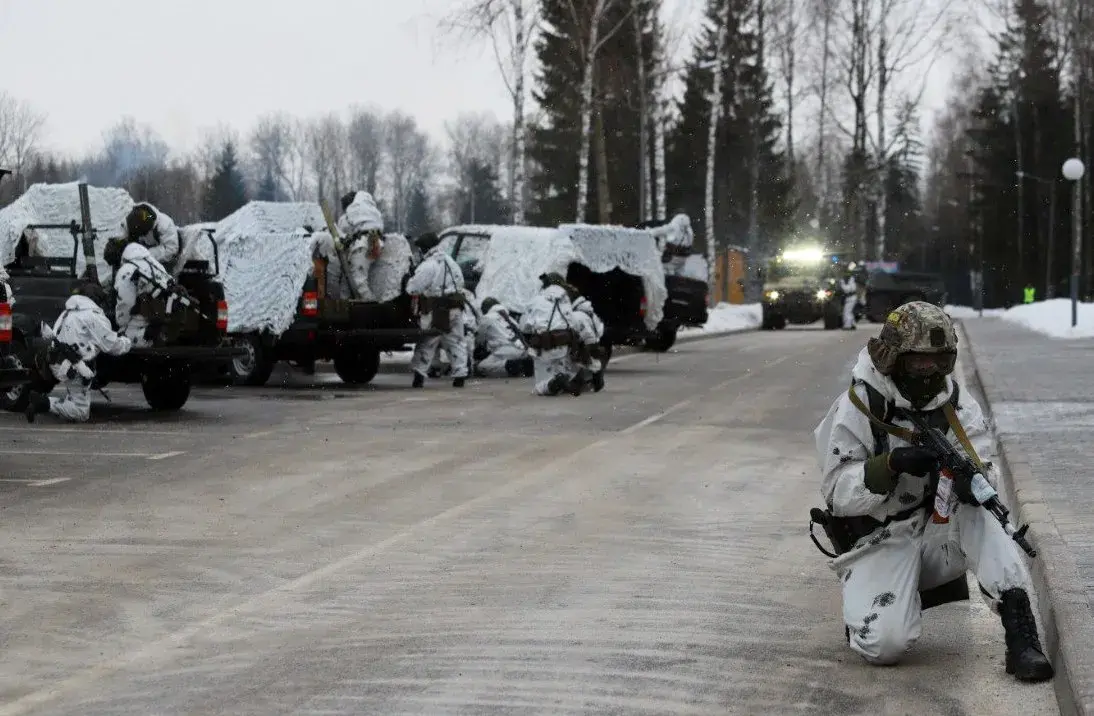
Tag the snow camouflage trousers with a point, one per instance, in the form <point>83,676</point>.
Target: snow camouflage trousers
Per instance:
<point>882,578</point>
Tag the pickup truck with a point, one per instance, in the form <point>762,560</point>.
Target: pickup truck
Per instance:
<point>886,291</point>
<point>352,333</point>
<point>618,297</point>
<point>197,334</point>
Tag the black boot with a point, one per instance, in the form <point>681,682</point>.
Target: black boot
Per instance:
<point>37,403</point>
<point>458,382</point>
<point>419,380</point>
<point>598,381</point>
<point>557,384</point>
<point>1025,659</point>
<point>528,367</point>
<point>576,385</point>
<point>513,368</point>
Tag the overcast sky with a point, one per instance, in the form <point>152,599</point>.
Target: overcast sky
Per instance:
<point>183,65</point>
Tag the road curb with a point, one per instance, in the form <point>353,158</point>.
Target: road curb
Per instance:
<point>1066,616</point>
<point>692,337</point>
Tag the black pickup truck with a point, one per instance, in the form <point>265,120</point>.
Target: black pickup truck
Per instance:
<point>886,291</point>
<point>351,333</point>
<point>197,334</point>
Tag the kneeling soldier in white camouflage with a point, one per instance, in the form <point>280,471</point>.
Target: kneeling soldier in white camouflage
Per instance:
<point>500,344</point>
<point>550,330</point>
<point>81,332</point>
<point>907,540</point>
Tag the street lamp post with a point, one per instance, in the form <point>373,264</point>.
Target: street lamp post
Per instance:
<point>1073,171</point>
<point>1050,289</point>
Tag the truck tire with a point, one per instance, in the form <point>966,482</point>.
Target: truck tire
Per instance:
<point>16,399</point>
<point>166,388</point>
<point>253,369</point>
<point>832,319</point>
<point>663,338</point>
<point>357,366</point>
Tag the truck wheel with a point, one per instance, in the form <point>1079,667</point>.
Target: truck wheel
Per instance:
<point>778,322</point>
<point>166,389</point>
<point>663,339</point>
<point>255,367</point>
<point>357,366</point>
<point>16,399</point>
<point>832,320</point>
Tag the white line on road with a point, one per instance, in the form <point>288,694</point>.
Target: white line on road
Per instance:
<point>53,481</point>
<point>260,434</point>
<point>75,453</point>
<point>685,403</point>
<point>94,431</point>
<point>165,455</point>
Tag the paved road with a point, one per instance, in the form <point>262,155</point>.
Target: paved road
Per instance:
<point>318,550</point>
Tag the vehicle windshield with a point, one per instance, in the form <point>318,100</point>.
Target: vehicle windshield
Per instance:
<point>781,270</point>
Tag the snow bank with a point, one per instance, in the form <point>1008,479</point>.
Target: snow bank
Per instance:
<point>60,204</point>
<point>728,318</point>
<point>961,312</point>
<point>1053,318</point>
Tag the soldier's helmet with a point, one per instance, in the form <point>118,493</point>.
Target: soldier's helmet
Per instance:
<point>918,339</point>
<point>140,220</point>
<point>92,290</point>
<point>347,199</point>
<point>488,303</point>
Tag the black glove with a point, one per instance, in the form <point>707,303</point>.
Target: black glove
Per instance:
<point>913,461</point>
<point>962,488</point>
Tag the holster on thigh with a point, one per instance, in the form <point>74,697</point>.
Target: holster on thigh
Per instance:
<point>954,591</point>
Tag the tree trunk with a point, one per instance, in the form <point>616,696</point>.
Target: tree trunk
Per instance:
<point>603,186</point>
<point>822,170</point>
<point>643,124</point>
<point>712,139</point>
<point>754,147</point>
<point>520,51</point>
<point>882,158</point>
<point>1021,188</point>
<point>659,148</point>
<point>587,112</point>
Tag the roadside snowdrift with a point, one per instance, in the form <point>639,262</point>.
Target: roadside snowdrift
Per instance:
<point>60,204</point>
<point>729,318</point>
<point>1053,318</point>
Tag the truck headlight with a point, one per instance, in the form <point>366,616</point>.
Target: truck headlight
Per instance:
<point>822,294</point>
<point>773,295</point>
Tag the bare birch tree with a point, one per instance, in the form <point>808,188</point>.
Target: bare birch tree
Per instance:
<point>718,67</point>
<point>277,149</point>
<point>365,139</point>
<point>591,36</point>
<point>511,27</point>
<point>20,129</point>
<point>409,160</point>
<point>327,150</point>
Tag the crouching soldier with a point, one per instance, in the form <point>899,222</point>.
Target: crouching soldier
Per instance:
<point>141,285</point>
<point>81,332</point>
<point>503,350</point>
<point>588,352</point>
<point>437,283</point>
<point>549,329</point>
<point>154,230</point>
<point>908,541</point>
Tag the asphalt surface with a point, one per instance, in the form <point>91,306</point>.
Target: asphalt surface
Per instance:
<point>312,549</point>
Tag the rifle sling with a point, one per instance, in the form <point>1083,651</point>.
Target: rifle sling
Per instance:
<point>909,436</point>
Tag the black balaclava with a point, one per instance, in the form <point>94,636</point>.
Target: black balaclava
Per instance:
<point>919,390</point>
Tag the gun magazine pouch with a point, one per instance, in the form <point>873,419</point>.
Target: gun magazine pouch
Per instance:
<point>844,532</point>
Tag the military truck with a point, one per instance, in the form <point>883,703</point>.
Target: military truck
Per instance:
<point>887,290</point>
<point>800,286</point>
<point>192,336</point>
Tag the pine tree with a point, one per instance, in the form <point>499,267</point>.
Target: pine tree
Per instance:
<point>482,192</point>
<point>746,102</point>
<point>267,188</point>
<point>419,218</point>
<point>226,190</point>
<point>556,139</point>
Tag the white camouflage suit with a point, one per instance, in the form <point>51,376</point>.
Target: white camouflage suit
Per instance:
<point>588,325</point>
<point>550,310</point>
<point>361,216</point>
<point>498,335</point>
<point>162,241</point>
<point>849,289</point>
<point>677,235</point>
<point>85,327</point>
<point>883,573</point>
<point>138,274</point>
<point>470,327</point>
<point>439,275</point>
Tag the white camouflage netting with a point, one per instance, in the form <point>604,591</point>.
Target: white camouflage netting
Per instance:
<point>633,251</point>
<point>514,260</point>
<point>266,255</point>
<point>517,255</point>
<point>60,204</point>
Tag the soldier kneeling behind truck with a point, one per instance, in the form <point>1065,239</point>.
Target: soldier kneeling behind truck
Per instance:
<point>562,343</point>
<point>81,332</point>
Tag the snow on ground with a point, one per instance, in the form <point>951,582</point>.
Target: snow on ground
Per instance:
<point>962,312</point>
<point>727,317</point>
<point>1053,318</point>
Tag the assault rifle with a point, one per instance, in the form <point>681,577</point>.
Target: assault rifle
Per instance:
<point>962,469</point>
<point>175,292</point>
